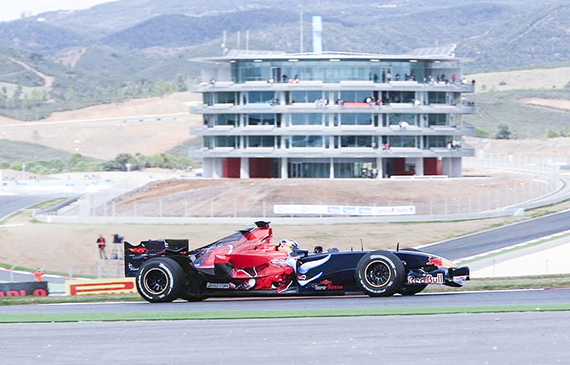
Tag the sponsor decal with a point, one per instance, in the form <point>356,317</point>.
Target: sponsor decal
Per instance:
<point>326,285</point>
<point>217,285</point>
<point>24,289</point>
<point>434,261</point>
<point>426,279</point>
<point>100,286</point>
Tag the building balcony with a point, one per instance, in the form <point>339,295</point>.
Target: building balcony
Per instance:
<point>345,130</point>
<point>321,152</point>
<point>346,107</point>
<point>363,85</point>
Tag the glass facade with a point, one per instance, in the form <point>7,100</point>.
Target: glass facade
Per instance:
<point>341,117</point>
<point>331,71</point>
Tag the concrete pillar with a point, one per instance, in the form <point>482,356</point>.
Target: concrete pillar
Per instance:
<point>452,167</point>
<point>456,167</point>
<point>331,169</point>
<point>208,166</point>
<point>217,168</point>
<point>284,173</point>
<point>244,168</point>
<point>419,166</point>
<point>380,167</point>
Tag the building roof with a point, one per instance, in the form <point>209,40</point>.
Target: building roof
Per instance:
<point>429,54</point>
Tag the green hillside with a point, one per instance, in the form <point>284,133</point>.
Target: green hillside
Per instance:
<point>138,48</point>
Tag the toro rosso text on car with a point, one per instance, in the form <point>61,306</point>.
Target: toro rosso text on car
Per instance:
<point>246,263</point>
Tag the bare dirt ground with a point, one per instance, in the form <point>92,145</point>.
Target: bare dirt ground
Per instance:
<point>101,132</point>
<point>59,247</point>
<point>546,78</point>
<point>146,126</point>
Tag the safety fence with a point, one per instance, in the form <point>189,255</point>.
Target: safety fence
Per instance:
<point>533,181</point>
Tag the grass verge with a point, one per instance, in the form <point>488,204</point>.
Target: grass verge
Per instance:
<point>216,315</point>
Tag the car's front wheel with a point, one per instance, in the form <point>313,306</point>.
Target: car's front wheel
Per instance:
<point>160,280</point>
<point>380,274</point>
<point>411,289</point>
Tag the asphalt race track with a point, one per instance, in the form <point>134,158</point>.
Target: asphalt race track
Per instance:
<point>505,338</point>
<point>501,237</point>
<point>490,338</point>
<point>501,338</point>
<point>9,204</point>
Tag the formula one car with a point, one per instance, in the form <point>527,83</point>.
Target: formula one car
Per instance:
<point>246,263</point>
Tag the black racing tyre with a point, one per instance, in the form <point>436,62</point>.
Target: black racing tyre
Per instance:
<point>380,274</point>
<point>408,289</point>
<point>160,280</point>
<point>194,298</point>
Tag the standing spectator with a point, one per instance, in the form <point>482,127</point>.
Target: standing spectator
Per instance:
<point>117,245</point>
<point>101,243</point>
<point>38,275</point>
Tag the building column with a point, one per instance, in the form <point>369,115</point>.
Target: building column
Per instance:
<point>331,169</point>
<point>217,168</point>
<point>456,167</point>
<point>244,168</point>
<point>452,167</point>
<point>420,166</point>
<point>284,173</point>
<point>380,167</point>
<point>208,166</point>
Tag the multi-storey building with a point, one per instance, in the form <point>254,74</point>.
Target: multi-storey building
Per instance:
<point>333,115</point>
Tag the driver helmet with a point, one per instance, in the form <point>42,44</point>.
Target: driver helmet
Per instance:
<point>287,245</point>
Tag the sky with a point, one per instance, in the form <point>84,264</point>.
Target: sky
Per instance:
<point>11,10</point>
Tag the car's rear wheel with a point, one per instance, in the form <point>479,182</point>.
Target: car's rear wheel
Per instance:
<point>380,274</point>
<point>160,280</point>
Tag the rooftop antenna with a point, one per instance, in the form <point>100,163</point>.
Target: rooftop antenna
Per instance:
<point>224,49</point>
<point>317,35</point>
<point>301,32</point>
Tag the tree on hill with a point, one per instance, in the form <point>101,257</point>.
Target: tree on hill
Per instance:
<point>504,132</point>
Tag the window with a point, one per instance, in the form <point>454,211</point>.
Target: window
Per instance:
<point>260,96</point>
<point>438,141</point>
<point>355,96</point>
<point>305,96</point>
<point>402,141</point>
<point>356,141</point>
<point>437,98</point>
<point>208,99</point>
<point>437,119</point>
<point>260,141</point>
<point>227,98</point>
<point>261,119</point>
<point>227,119</point>
<point>306,119</point>
<point>306,141</point>
<point>357,119</point>
<point>225,141</point>
<point>396,118</point>
<point>402,96</point>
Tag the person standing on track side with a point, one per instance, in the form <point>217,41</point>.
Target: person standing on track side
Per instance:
<point>101,243</point>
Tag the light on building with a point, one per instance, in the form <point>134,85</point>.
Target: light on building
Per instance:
<point>374,60</point>
<point>257,60</point>
<point>334,60</point>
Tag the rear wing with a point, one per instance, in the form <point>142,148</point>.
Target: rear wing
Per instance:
<point>136,255</point>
